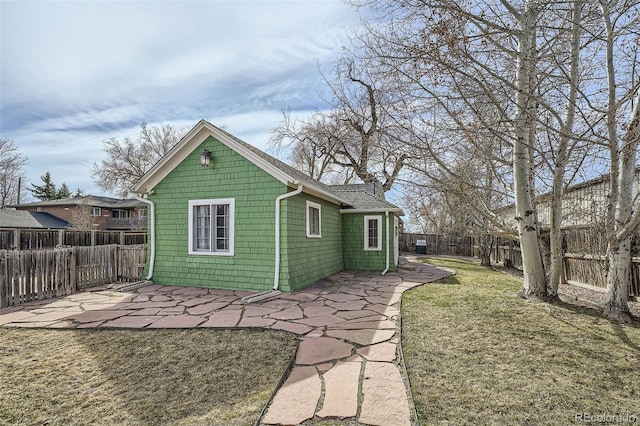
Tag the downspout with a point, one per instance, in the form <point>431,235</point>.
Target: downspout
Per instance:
<point>387,226</point>
<point>276,278</point>
<point>152,234</point>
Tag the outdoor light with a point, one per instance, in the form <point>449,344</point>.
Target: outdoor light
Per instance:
<point>205,158</point>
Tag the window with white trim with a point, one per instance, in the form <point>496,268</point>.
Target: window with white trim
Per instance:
<point>372,233</point>
<point>96,211</point>
<point>314,220</point>
<point>211,227</point>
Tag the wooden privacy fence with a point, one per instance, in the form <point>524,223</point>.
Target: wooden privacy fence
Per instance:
<point>43,274</point>
<point>438,244</point>
<point>38,239</point>
<point>584,262</point>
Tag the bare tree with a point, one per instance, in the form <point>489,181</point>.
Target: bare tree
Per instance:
<point>128,159</point>
<point>11,171</point>
<point>356,134</point>
<point>82,218</point>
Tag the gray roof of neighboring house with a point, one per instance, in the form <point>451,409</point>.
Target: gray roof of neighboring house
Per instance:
<point>89,200</point>
<point>26,219</point>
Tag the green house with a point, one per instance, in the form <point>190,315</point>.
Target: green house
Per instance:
<point>224,214</point>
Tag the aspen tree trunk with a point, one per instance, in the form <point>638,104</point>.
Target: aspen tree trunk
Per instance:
<point>621,219</point>
<point>534,286</point>
<point>562,157</point>
<point>624,223</point>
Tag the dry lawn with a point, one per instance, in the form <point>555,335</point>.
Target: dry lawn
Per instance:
<point>139,377</point>
<point>478,354</point>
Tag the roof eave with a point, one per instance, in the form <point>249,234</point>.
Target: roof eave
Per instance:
<point>374,210</point>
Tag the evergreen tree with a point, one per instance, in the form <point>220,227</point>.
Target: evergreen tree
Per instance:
<point>63,192</point>
<point>47,191</point>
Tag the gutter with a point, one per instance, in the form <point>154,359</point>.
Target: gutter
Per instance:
<point>276,275</point>
<point>152,233</point>
<point>276,278</point>
<point>386,214</point>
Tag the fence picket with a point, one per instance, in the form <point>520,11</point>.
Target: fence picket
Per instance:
<point>43,274</point>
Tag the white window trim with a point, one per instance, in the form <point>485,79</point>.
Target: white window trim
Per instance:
<point>94,210</point>
<point>315,206</point>
<point>214,201</point>
<point>366,233</point>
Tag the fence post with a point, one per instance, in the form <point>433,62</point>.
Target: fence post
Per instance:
<point>4,283</point>
<point>72,268</point>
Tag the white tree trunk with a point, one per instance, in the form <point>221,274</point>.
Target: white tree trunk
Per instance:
<point>621,220</point>
<point>618,279</point>
<point>534,286</point>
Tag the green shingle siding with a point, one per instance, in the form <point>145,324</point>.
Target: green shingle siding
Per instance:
<point>303,260</point>
<point>355,257</point>
<point>228,176</point>
<point>310,259</point>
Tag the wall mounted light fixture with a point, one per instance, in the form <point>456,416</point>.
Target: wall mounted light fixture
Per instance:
<point>205,158</point>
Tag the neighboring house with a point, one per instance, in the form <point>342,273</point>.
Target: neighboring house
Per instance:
<point>248,221</point>
<point>95,213</point>
<point>18,219</point>
<point>583,204</point>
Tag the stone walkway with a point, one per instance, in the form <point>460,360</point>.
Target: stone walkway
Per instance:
<point>346,365</point>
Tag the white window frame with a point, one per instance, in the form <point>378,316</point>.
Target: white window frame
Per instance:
<point>310,205</point>
<point>378,219</point>
<point>95,210</point>
<point>231,227</point>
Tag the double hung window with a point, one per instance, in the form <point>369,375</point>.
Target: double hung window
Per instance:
<point>211,227</point>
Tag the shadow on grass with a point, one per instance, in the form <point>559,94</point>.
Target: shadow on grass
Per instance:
<point>140,377</point>
<point>596,314</point>
<point>196,376</point>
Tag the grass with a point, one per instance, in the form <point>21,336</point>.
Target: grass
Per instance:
<point>139,377</point>
<point>478,354</point>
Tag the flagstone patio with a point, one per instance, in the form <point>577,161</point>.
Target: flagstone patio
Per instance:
<point>348,326</point>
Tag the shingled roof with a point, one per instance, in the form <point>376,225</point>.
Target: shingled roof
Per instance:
<point>88,200</point>
<point>353,197</point>
<point>30,220</point>
<point>360,198</point>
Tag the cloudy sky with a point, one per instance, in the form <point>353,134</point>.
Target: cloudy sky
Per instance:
<point>74,73</point>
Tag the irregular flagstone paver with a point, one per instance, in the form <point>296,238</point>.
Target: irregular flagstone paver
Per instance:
<point>342,297</point>
<point>380,325</point>
<point>146,311</point>
<point>385,352</point>
<point>333,318</point>
<point>341,390</point>
<point>256,322</point>
<point>362,337</point>
<point>320,321</point>
<point>292,327</point>
<point>15,316</point>
<point>291,313</point>
<point>223,319</point>
<point>177,321</point>
<point>132,321</point>
<point>297,399</point>
<point>321,349</point>
<point>91,316</point>
<point>206,308</point>
<point>258,311</point>
<point>317,311</point>
<point>389,311</point>
<point>385,401</point>
<point>348,315</point>
<point>348,306</point>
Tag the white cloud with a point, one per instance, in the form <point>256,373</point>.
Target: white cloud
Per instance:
<point>77,72</point>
